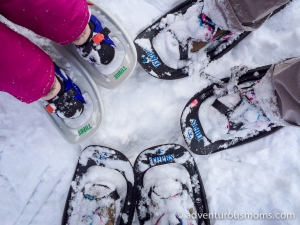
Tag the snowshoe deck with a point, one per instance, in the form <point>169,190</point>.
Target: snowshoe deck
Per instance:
<point>158,157</point>
<point>154,65</point>
<point>104,157</point>
<point>125,60</point>
<point>193,131</point>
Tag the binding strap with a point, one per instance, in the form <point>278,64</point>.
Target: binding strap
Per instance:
<point>226,111</point>
<point>60,102</point>
<point>96,40</point>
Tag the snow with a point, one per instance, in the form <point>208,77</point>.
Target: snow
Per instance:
<point>37,164</point>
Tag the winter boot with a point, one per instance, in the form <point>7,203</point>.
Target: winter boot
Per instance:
<point>69,102</point>
<point>99,49</point>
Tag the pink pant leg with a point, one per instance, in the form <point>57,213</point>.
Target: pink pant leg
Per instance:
<point>26,72</point>
<point>59,20</point>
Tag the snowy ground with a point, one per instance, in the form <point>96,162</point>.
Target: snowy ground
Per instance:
<point>37,165</point>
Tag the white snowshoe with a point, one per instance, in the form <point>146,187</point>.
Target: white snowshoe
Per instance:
<point>84,74</point>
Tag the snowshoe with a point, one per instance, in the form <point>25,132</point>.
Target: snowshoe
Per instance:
<point>168,187</point>
<point>87,123</point>
<point>101,192</point>
<point>116,64</point>
<point>212,121</point>
<point>184,34</point>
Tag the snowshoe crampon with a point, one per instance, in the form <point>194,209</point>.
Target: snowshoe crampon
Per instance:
<point>193,130</point>
<point>220,43</point>
<point>116,72</point>
<point>102,189</point>
<point>168,187</point>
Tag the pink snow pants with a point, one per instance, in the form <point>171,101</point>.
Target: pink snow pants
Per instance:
<point>26,72</point>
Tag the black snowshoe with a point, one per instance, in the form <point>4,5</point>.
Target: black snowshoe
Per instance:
<point>168,187</point>
<point>193,130</point>
<point>102,189</point>
<point>221,42</point>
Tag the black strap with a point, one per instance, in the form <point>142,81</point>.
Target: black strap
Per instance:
<point>226,111</point>
<point>91,45</point>
<point>61,101</point>
<point>183,52</point>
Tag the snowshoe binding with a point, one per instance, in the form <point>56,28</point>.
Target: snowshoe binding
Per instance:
<point>168,187</point>
<point>167,48</point>
<point>69,102</point>
<point>102,189</point>
<point>226,114</point>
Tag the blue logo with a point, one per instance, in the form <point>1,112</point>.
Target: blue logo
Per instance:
<point>190,133</point>
<point>145,59</point>
<point>102,156</point>
<point>196,129</point>
<point>160,152</point>
<point>153,58</point>
<point>161,159</point>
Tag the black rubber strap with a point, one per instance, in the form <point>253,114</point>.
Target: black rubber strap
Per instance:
<point>91,45</point>
<point>60,102</point>
<point>183,52</point>
<point>226,111</point>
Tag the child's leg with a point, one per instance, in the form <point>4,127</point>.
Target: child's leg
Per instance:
<point>62,21</point>
<point>27,72</point>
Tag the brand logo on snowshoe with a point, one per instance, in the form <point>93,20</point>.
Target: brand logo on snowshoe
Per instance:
<point>84,129</point>
<point>190,133</point>
<point>196,129</point>
<point>161,159</point>
<point>153,58</point>
<point>145,59</point>
<point>102,155</point>
<point>160,152</point>
<point>120,72</point>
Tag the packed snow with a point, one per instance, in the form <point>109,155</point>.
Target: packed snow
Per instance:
<point>37,164</point>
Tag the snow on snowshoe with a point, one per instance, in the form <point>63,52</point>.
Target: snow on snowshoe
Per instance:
<point>168,48</point>
<point>213,121</point>
<point>116,67</point>
<point>79,81</point>
<point>168,187</point>
<point>101,192</point>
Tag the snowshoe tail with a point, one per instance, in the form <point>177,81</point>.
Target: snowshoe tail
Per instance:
<point>193,131</point>
<point>156,158</point>
<point>103,157</point>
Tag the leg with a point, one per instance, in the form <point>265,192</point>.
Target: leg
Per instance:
<point>59,20</point>
<point>241,15</point>
<point>283,79</point>
<point>27,72</point>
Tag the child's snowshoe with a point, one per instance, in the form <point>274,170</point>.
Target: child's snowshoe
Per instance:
<point>185,33</point>
<point>116,62</point>
<point>168,187</point>
<point>213,121</point>
<point>87,123</point>
<point>69,102</point>
<point>101,192</point>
